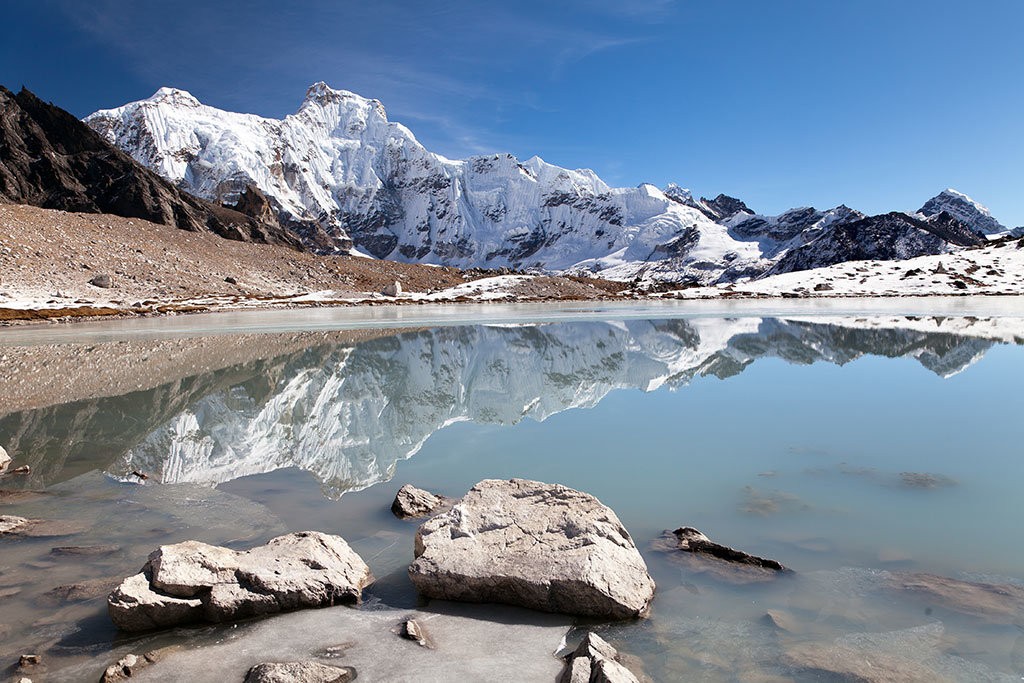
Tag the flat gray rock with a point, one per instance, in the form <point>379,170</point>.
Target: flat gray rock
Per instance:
<point>191,581</point>
<point>471,643</point>
<point>543,546</point>
<point>299,672</point>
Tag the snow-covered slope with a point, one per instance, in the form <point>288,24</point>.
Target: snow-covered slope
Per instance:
<point>339,173</point>
<point>349,415</point>
<point>996,269</point>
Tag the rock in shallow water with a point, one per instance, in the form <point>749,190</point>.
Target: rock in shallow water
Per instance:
<point>595,661</point>
<point>299,672</point>
<point>190,582</point>
<point>543,546</point>
<point>10,524</point>
<point>413,502</point>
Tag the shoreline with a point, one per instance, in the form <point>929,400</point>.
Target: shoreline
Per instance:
<point>315,316</point>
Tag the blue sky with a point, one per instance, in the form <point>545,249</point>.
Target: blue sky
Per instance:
<point>878,104</point>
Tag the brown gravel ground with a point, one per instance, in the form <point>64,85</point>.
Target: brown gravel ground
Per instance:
<point>35,376</point>
<point>50,256</point>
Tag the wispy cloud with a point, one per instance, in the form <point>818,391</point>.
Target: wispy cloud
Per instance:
<point>457,66</point>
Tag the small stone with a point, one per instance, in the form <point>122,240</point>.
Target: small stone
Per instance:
<point>230,280</point>
<point>413,502</point>
<point>299,672</point>
<point>24,469</point>
<point>5,459</point>
<point>125,668</point>
<point>28,661</point>
<point>11,524</point>
<point>393,290</point>
<point>103,280</point>
<point>411,630</point>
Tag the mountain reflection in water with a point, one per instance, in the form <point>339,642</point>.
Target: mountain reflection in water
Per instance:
<point>349,411</point>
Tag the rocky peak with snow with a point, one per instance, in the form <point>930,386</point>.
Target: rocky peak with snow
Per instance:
<point>964,209</point>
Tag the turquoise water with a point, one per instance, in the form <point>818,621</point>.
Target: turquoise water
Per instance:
<point>853,449</point>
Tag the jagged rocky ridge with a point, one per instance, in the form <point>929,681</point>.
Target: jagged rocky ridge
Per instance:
<point>48,158</point>
<point>350,414</point>
<point>339,173</point>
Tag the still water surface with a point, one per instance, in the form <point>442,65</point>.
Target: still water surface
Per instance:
<point>859,450</point>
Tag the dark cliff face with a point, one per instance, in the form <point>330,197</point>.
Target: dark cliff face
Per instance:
<point>50,159</point>
<point>886,237</point>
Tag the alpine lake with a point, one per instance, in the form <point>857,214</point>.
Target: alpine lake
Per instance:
<point>871,446</point>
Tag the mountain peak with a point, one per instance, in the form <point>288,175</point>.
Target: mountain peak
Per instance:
<point>174,96</point>
<point>963,208</point>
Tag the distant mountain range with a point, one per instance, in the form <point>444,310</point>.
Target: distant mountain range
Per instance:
<point>338,176</point>
<point>341,175</point>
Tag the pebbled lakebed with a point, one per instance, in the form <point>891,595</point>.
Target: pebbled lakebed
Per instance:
<point>870,447</point>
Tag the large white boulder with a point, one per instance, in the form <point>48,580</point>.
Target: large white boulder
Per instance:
<point>192,581</point>
<point>543,546</point>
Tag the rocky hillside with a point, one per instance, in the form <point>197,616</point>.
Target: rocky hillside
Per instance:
<point>50,159</point>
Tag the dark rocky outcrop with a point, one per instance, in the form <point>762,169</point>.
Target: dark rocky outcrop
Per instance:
<point>693,541</point>
<point>884,238</point>
<point>50,159</point>
<point>698,554</point>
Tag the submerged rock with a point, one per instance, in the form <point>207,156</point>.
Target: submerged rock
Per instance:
<point>299,672</point>
<point>413,502</point>
<point>595,661</point>
<point>909,655</point>
<point>191,581</point>
<point>990,602</point>
<point>543,546</point>
<point>130,665</point>
<point>701,555</point>
<point>693,541</point>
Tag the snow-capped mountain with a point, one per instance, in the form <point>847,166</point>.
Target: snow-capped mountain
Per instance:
<point>339,162</point>
<point>963,208</point>
<point>340,174</point>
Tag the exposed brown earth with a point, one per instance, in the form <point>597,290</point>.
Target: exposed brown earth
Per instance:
<point>49,257</point>
<point>35,375</point>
